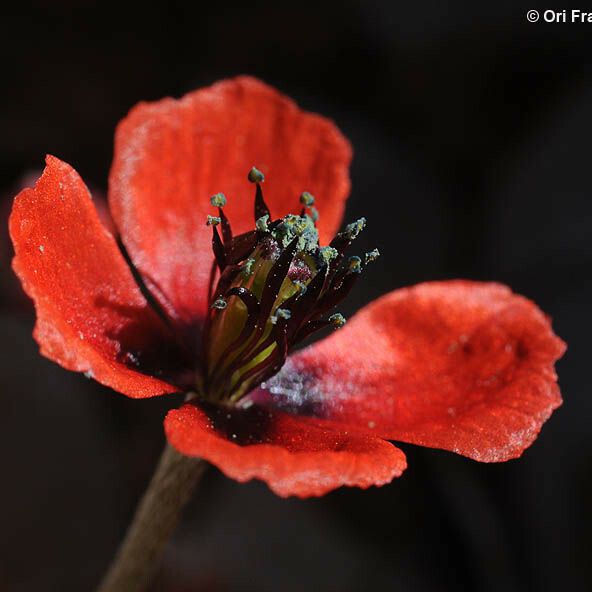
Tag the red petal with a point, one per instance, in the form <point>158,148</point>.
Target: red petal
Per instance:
<point>463,366</point>
<point>91,316</point>
<point>293,455</point>
<point>172,155</point>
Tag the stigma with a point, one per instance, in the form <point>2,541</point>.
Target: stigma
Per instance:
<point>270,289</point>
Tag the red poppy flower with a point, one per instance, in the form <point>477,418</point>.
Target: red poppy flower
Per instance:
<point>463,366</point>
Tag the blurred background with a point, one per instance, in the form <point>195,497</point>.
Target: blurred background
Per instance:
<point>471,129</point>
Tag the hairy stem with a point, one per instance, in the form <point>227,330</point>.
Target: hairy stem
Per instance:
<point>156,516</point>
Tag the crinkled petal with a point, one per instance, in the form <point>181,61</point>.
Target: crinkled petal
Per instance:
<point>91,315</point>
<point>299,456</point>
<point>463,366</point>
<point>172,155</point>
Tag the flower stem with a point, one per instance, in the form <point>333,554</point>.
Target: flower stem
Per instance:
<point>156,516</point>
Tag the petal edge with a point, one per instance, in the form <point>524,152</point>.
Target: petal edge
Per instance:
<point>463,366</point>
<point>172,155</point>
<point>89,309</point>
<point>298,456</point>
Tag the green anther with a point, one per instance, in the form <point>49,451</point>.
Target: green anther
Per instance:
<point>300,226</point>
<point>291,221</point>
<point>218,200</point>
<point>262,224</point>
<point>280,313</point>
<point>327,254</point>
<point>278,267</point>
<point>219,303</point>
<point>354,264</point>
<point>352,230</point>
<point>256,176</point>
<point>337,320</point>
<point>247,268</point>
<point>283,234</point>
<point>293,226</point>
<point>371,256</point>
<point>309,235</point>
<point>306,199</point>
<point>309,239</point>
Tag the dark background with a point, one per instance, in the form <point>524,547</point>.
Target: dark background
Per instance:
<point>471,130</point>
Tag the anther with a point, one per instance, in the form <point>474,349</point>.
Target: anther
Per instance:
<point>371,256</point>
<point>256,176</point>
<point>220,303</point>
<point>218,200</point>
<point>280,313</point>
<point>354,264</point>
<point>262,224</point>
<point>306,199</point>
<point>337,320</point>
<point>327,254</point>
<point>353,230</point>
<point>300,226</point>
<point>291,220</point>
<point>288,283</point>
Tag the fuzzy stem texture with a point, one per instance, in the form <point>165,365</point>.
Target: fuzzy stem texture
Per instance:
<point>156,516</point>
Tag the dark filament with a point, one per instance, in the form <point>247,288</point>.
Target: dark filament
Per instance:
<point>299,284</point>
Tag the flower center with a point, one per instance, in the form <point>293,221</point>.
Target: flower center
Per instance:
<point>270,288</point>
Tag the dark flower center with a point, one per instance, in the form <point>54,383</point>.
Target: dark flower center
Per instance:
<point>270,288</point>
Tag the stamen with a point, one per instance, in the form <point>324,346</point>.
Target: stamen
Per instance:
<point>354,264</point>
<point>353,230</point>
<point>241,246</point>
<point>297,226</point>
<point>306,199</point>
<point>220,303</point>
<point>327,254</point>
<point>255,175</point>
<point>337,320</point>
<point>302,304</point>
<point>225,225</point>
<point>344,239</point>
<point>280,313</point>
<point>262,224</point>
<point>371,256</point>
<point>276,277</point>
<point>218,247</point>
<point>261,209</point>
<point>227,277</point>
<point>284,282</point>
<point>218,200</point>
